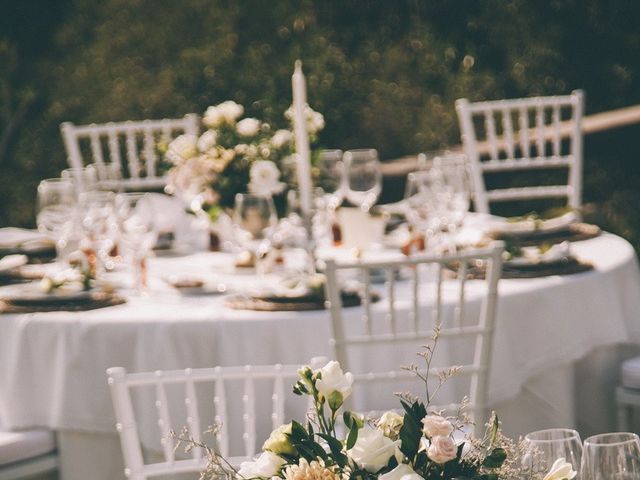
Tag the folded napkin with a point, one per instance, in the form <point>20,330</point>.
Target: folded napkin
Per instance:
<point>22,238</point>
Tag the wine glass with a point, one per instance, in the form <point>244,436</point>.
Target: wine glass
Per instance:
<point>254,221</point>
<point>137,220</point>
<point>455,187</point>
<point>363,177</point>
<point>546,446</point>
<point>56,206</point>
<point>611,456</point>
<point>100,228</point>
<point>332,178</point>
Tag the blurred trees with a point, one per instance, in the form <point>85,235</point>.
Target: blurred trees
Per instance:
<point>385,74</point>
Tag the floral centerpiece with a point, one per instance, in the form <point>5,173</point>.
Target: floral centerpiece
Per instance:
<point>234,155</point>
<point>417,443</point>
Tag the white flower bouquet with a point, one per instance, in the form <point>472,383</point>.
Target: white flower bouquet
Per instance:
<point>233,155</point>
<point>413,445</point>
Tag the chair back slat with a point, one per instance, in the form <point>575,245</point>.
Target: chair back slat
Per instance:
<point>139,141</point>
<point>278,399</point>
<point>531,138</point>
<point>490,125</point>
<point>249,416</point>
<point>446,310</point>
<point>507,127</point>
<point>114,147</point>
<point>557,129</point>
<point>150,157</point>
<point>390,282</point>
<point>193,418</point>
<point>220,406</point>
<point>164,419</point>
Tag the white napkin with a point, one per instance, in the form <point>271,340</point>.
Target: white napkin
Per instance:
<point>12,237</point>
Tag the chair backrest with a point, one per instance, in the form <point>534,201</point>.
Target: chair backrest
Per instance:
<point>524,134</point>
<point>229,396</point>
<point>440,295</point>
<point>130,145</point>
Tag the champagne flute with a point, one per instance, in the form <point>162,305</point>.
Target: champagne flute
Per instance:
<point>611,456</point>
<point>547,446</point>
<point>363,177</point>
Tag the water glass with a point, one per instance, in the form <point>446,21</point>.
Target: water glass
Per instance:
<point>83,179</point>
<point>611,456</point>
<point>546,446</point>
<point>254,221</point>
<point>363,177</point>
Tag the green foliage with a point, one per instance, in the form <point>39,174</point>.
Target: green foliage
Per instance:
<point>384,74</point>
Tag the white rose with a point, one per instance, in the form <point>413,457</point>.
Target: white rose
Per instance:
<point>372,450</point>
<point>390,423</point>
<point>281,138</point>
<point>267,465</point>
<point>265,178</point>
<point>436,425</point>
<point>315,121</point>
<point>207,140</point>
<point>334,385</point>
<point>442,449</point>
<point>279,442</point>
<point>401,472</point>
<point>560,470</point>
<point>231,110</point>
<point>184,146</point>
<point>226,112</point>
<point>248,127</point>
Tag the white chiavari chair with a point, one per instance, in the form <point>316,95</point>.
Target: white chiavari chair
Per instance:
<point>388,331</point>
<point>523,135</point>
<point>130,145</point>
<point>231,396</point>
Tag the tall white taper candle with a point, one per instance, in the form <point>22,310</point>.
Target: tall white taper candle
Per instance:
<point>302,140</point>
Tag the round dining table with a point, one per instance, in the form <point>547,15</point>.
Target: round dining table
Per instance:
<point>557,346</point>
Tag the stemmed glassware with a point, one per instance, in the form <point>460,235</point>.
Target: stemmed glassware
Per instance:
<point>100,228</point>
<point>363,177</point>
<point>255,220</point>
<point>332,178</point>
<point>547,446</point>
<point>56,211</point>
<point>611,456</point>
<point>137,220</point>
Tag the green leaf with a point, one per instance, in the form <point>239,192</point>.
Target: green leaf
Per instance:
<point>336,449</point>
<point>411,431</point>
<point>352,437</point>
<point>495,459</point>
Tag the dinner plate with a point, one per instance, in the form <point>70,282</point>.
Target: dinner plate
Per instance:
<point>11,262</point>
<point>30,294</point>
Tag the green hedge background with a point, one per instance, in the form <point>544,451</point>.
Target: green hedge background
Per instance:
<point>384,73</point>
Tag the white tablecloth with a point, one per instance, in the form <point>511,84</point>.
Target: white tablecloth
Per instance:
<point>52,365</point>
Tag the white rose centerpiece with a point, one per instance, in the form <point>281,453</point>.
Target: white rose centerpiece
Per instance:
<point>232,155</point>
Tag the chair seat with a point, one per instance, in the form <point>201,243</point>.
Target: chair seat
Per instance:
<point>631,373</point>
<point>18,446</point>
